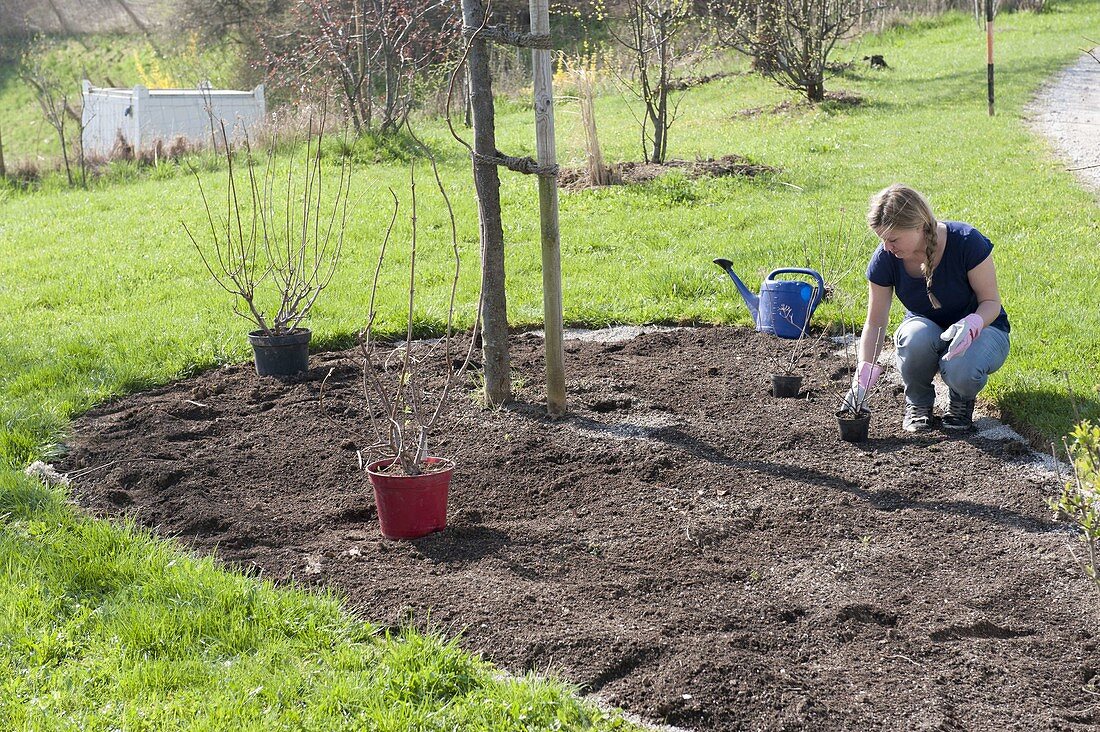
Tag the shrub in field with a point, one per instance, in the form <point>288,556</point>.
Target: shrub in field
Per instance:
<point>788,40</point>
<point>1079,501</point>
<point>654,37</point>
<point>402,410</point>
<point>53,100</point>
<point>280,232</point>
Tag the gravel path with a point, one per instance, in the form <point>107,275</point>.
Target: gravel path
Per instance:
<point>1067,112</point>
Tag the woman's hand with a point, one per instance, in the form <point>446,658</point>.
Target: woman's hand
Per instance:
<point>961,335</point>
<point>866,376</point>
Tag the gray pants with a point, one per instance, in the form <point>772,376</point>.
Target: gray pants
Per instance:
<point>920,356</point>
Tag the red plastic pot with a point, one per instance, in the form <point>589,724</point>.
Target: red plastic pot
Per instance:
<point>411,506</point>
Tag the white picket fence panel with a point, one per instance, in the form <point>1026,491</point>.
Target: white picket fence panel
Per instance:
<point>143,116</point>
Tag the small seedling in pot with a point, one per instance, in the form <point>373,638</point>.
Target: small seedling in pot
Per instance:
<point>276,247</point>
<point>854,413</point>
<point>787,353</point>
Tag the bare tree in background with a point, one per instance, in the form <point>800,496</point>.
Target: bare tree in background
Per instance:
<point>50,94</point>
<point>789,40</point>
<point>370,50</point>
<point>650,36</point>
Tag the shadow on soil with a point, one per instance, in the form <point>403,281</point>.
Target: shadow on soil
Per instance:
<point>881,499</point>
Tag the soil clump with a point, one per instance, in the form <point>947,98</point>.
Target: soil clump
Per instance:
<point>630,172</point>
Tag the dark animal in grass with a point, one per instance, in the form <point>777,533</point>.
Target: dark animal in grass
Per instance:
<point>877,61</point>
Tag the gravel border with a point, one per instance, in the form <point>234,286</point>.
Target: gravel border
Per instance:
<point>1066,111</point>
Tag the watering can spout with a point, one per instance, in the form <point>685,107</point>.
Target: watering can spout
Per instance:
<point>750,299</point>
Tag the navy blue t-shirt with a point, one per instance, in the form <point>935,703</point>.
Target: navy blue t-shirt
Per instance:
<point>966,248</point>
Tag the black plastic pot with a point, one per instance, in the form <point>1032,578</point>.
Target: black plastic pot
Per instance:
<point>853,429</point>
<point>786,386</point>
<point>281,355</point>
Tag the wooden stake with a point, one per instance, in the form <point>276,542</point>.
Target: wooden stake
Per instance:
<point>548,214</point>
<point>989,50</point>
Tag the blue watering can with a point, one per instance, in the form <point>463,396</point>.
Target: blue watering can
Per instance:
<point>769,311</point>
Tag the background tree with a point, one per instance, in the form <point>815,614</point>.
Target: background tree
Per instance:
<point>650,33</point>
<point>219,20</point>
<point>371,51</point>
<point>789,40</point>
<point>49,92</point>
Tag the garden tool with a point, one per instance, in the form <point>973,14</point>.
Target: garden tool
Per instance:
<point>784,307</point>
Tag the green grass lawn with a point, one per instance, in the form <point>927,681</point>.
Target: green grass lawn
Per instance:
<point>101,294</point>
<point>105,627</point>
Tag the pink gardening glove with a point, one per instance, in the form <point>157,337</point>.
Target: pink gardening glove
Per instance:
<point>961,335</point>
<point>867,374</point>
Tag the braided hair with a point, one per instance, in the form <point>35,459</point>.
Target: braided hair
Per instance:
<point>900,207</point>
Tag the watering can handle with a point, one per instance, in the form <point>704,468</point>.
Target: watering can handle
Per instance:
<point>812,273</point>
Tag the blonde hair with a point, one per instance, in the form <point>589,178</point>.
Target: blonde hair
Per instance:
<point>900,207</point>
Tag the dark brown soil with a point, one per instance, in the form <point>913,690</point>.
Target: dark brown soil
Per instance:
<point>833,98</point>
<point>683,545</point>
<point>691,82</point>
<point>576,179</point>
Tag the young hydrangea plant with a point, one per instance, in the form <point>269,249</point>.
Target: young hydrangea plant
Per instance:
<point>1079,501</point>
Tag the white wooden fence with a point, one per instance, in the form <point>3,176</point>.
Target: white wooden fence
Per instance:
<point>142,116</point>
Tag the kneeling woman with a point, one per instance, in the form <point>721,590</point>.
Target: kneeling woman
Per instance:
<point>942,272</point>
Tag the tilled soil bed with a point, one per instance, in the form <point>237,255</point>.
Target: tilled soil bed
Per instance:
<point>683,545</point>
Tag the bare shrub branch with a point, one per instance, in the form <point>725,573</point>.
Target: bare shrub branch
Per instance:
<point>402,409</point>
<point>788,40</point>
<point>285,233</point>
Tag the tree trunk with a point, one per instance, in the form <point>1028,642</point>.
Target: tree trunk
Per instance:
<point>658,140</point>
<point>542,83</point>
<point>3,168</point>
<point>660,122</point>
<point>494,306</point>
<point>352,96</point>
<point>467,111</point>
<point>65,148</point>
<point>390,119</point>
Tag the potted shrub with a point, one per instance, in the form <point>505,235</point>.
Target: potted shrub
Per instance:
<point>830,257</point>
<point>853,423</point>
<point>854,419</point>
<point>784,381</point>
<point>404,404</point>
<point>276,247</point>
